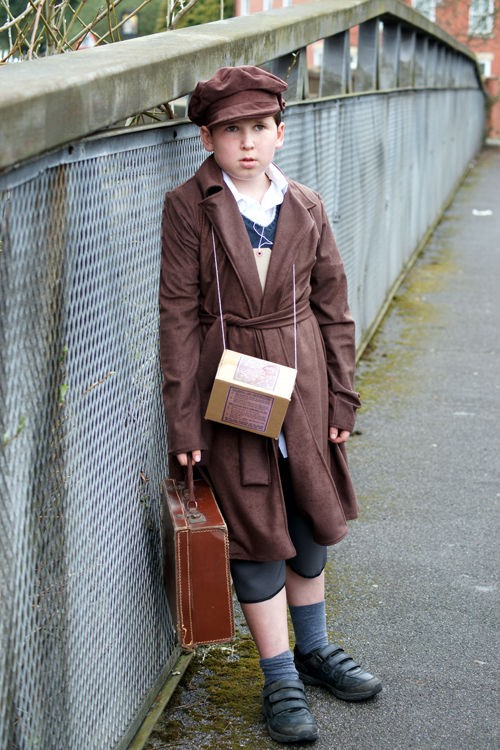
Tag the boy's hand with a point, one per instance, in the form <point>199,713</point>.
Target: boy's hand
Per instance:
<point>337,436</point>
<point>183,458</point>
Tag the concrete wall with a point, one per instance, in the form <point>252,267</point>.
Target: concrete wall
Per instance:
<point>49,102</point>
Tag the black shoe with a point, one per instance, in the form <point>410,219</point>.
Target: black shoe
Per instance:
<point>335,670</point>
<point>287,712</point>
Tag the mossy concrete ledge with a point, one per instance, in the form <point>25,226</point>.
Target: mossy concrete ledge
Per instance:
<point>50,102</point>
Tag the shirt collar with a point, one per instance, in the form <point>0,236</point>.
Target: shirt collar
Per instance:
<point>274,195</point>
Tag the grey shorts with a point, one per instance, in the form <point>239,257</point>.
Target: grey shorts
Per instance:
<point>259,581</point>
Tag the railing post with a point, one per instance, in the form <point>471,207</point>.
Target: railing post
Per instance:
<point>335,74</point>
<point>293,69</point>
<point>432,58</point>
<point>448,68</point>
<point>407,60</point>
<point>390,56</point>
<point>441,67</point>
<point>421,51</point>
<point>366,73</point>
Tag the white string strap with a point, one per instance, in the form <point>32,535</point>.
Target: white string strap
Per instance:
<point>294,316</point>
<point>218,292</point>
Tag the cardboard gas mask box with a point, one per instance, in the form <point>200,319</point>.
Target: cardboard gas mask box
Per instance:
<point>251,394</point>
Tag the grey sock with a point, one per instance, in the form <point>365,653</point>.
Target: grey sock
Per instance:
<point>279,667</point>
<point>309,625</point>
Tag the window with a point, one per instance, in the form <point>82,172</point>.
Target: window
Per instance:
<point>481,17</point>
<point>484,61</point>
<point>317,54</point>
<point>426,7</point>
<point>244,9</point>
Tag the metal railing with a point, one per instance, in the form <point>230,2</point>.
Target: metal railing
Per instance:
<point>85,633</point>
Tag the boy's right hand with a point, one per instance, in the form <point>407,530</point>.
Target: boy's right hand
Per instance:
<point>183,457</point>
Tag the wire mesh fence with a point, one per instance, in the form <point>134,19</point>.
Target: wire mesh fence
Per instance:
<point>85,630</point>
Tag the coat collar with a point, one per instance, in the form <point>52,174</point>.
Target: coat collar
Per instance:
<point>294,224</point>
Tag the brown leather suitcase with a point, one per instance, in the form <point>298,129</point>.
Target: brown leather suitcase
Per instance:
<point>196,563</point>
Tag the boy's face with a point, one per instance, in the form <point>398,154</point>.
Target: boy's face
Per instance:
<point>244,148</point>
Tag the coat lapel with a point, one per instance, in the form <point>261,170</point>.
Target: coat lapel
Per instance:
<point>222,211</point>
<point>294,225</point>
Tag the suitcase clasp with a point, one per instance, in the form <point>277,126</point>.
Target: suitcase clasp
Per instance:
<point>193,515</point>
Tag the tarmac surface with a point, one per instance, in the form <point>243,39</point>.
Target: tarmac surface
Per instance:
<point>412,591</point>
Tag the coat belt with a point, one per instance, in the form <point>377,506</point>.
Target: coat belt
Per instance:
<point>212,344</point>
<point>277,319</point>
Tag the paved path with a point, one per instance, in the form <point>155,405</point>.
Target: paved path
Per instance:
<point>412,590</point>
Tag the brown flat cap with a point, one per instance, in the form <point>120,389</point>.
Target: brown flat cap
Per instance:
<point>235,94</point>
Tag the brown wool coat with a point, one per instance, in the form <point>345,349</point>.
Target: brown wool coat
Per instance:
<point>243,466</point>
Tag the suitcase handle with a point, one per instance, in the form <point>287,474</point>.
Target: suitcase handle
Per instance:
<point>190,498</point>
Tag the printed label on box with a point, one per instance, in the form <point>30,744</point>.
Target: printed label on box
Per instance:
<point>246,409</point>
<point>257,372</point>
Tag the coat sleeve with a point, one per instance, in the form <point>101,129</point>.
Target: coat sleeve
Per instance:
<point>179,325</point>
<point>329,303</point>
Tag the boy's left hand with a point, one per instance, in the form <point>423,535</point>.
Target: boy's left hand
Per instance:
<point>338,436</point>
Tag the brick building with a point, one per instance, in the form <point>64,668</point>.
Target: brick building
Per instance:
<point>475,23</point>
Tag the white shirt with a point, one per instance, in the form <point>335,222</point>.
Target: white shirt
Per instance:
<point>262,212</point>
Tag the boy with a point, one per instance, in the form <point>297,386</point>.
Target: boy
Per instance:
<point>283,501</point>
